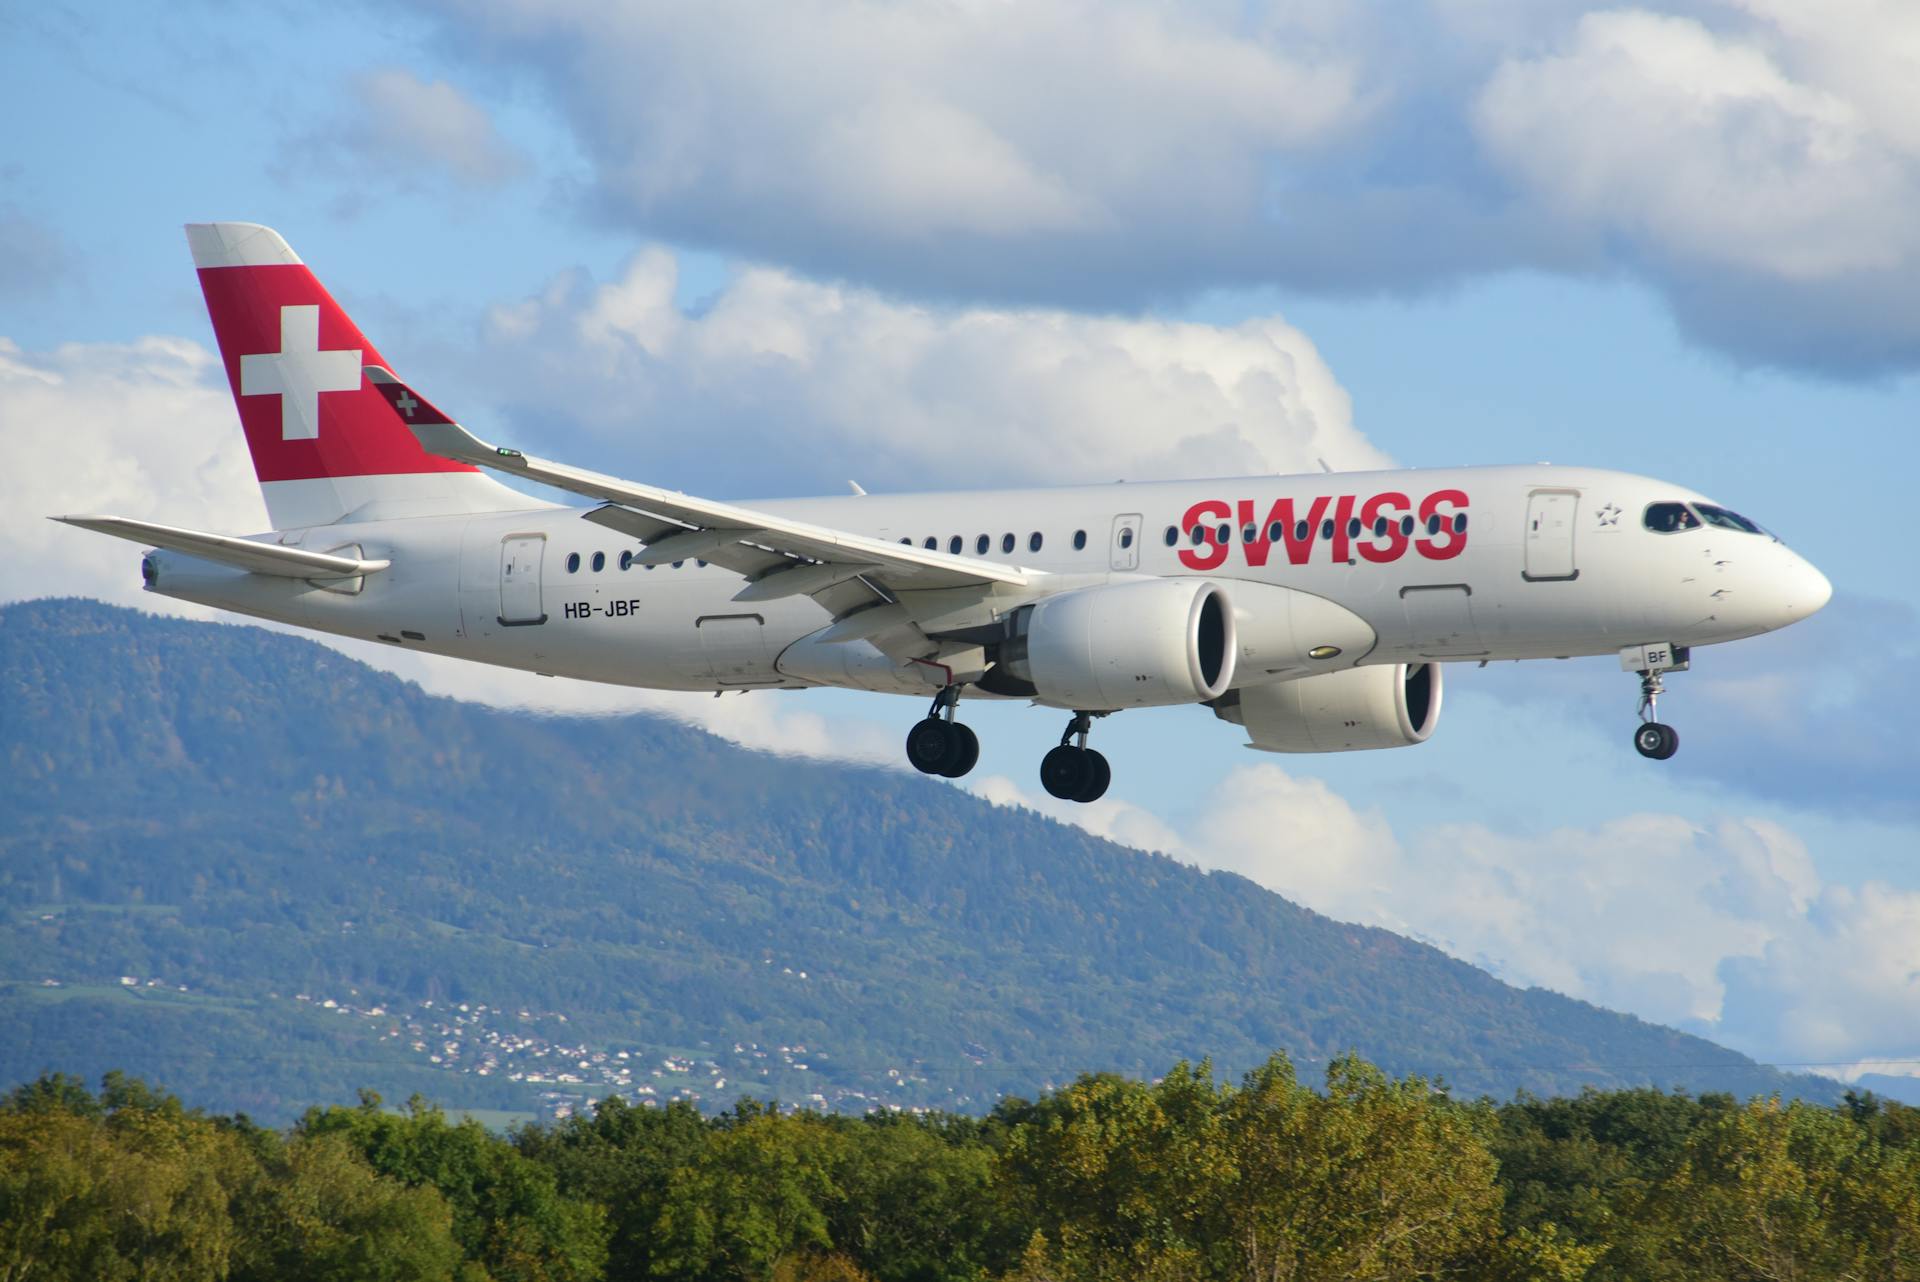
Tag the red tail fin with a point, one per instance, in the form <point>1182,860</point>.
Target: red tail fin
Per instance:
<point>324,443</point>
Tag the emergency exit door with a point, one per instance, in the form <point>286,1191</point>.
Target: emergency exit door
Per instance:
<point>1126,542</point>
<point>520,556</point>
<point>1550,516</point>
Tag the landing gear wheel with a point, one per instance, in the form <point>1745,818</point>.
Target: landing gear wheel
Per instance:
<point>1656,741</point>
<point>932,745</point>
<point>966,749</point>
<point>1066,772</point>
<point>1099,775</point>
<point>939,745</point>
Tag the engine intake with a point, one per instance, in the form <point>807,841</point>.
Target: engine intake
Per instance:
<point>1390,706</point>
<point>1125,645</point>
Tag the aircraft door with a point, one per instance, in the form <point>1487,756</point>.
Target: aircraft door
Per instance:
<point>520,557</point>
<point>735,648</point>
<point>1550,516</point>
<point>1126,542</point>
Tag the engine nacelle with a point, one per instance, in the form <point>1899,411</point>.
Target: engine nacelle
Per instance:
<point>1390,706</point>
<point>1125,645</point>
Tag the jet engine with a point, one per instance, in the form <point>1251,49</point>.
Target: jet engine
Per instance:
<point>1390,706</point>
<point>1121,645</point>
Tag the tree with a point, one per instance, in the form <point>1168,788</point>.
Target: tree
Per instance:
<point>508,1212</point>
<point>1377,1178</point>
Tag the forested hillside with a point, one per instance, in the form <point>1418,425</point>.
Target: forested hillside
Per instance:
<point>263,875</point>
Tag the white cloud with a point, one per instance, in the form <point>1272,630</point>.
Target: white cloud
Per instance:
<point>805,380</point>
<point>1725,929</point>
<point>1703,147</point>
<point>910,123</point>
<point>143,429</point>
<point>401,133</point>
<point>1753,159</point>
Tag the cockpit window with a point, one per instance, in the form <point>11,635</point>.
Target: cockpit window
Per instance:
<point>1670,518</point>
<point>1727,520</point>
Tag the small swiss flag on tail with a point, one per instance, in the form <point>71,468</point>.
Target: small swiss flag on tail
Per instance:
<point>294,361</point>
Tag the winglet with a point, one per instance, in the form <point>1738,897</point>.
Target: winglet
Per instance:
<point>437,433</point>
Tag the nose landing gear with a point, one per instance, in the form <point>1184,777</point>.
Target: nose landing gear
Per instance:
<point>1073,771</point>
<point>939,745</point>
<point>1652,739</point>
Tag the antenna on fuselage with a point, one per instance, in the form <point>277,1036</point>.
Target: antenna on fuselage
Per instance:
<point>1323,465</point>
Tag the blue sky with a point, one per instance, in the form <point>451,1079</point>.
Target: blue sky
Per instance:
<point>593,228</point>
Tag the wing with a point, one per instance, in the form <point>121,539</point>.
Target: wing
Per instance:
<point>866,584</point>
<point>246,554</point>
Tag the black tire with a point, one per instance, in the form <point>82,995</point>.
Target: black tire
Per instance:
<point>1097,778</point>
<point>1064,771</point>
<point>966,750</point>
<point>1655,741</point>
<point>931,744</point>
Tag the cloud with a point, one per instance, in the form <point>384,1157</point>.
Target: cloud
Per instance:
<point>1737,180</point>
<point>797,378</point>
<point>402,133</point>
<point>1753,159</point>
<point>143,429</point>
<point>1776,718</point>
<point>1725,928</point>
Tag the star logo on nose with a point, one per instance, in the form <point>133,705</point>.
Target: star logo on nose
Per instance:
<point>1609,515</point>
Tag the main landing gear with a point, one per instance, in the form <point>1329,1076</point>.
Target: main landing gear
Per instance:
<point>1652,739</point>
<point>939,745</point>
<point>1073,771</point>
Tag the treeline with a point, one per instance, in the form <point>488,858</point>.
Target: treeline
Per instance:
<point>1108,1178</point>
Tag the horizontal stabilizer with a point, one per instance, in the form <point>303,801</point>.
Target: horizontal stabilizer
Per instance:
<point>246,554</point>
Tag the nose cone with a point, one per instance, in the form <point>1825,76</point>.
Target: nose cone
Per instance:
<point>1799,588</point>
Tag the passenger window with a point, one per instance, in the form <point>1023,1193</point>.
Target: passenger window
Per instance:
<point>626,560</point>
<point>1249,534</point>
<point>1326,529</point>
<point>573,562</point>
<point>1079,540</point>
<point>678,564</point>
<point>1300,531</point>
<point>933,544</point>
<point>1459,522</point>
<point>1173,535</point>
<point>1274,532</point>
<point>1670,518</point>
<point>1353,528</point>
<point>1379,527</point>
<point>1727,520</point>
<point>599,562</point>
<point>1433,524</point>
<point>981,544</point>
<point>1006,543</point>
<point>1406,524</point>
<point>907,542</point>
<point>1126,537</point>
<point>1033,541</point>
<point>954,544</point>
<point>1199,535</point>
<point>1225,533</point>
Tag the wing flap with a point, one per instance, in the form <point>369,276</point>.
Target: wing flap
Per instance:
<point>900,566</point>
<point>246,554</point>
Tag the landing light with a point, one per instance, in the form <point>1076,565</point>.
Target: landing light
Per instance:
<point>1324,652</point>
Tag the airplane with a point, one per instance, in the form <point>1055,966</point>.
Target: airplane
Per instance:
<point>1314,611</point>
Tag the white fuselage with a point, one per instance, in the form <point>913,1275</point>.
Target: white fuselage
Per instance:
<point>1549,562</point>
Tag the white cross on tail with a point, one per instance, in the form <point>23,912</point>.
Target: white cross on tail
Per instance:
<point>299,372</point>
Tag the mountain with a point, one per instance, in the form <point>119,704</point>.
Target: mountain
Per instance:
<point>263,875</point>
